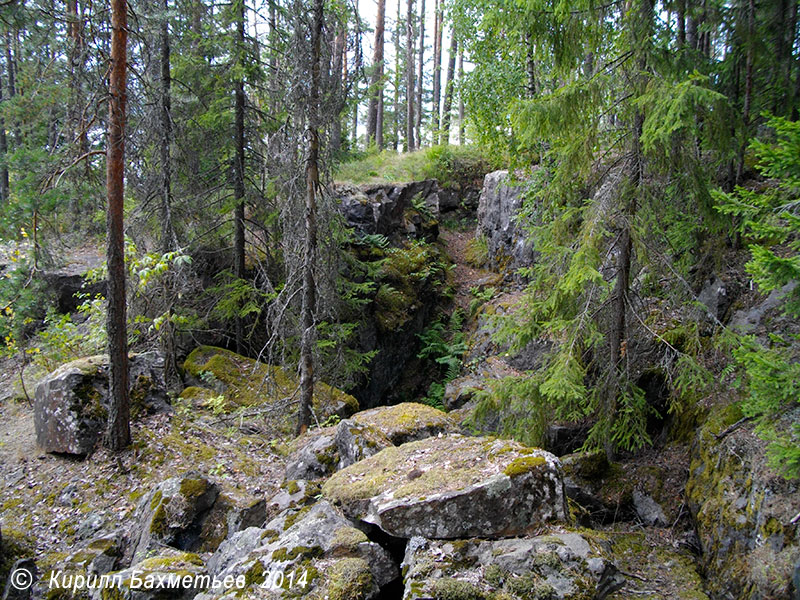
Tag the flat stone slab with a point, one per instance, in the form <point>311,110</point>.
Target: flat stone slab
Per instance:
<point>453,487</point>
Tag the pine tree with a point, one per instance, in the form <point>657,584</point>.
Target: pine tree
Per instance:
<point>119,434</point>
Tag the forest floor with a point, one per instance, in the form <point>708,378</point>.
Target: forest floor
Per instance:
<point>52,504</point>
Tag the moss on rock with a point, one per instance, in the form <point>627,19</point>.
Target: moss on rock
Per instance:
<point>248,383</point>
<point>350,579</point>
<point>524,464</point>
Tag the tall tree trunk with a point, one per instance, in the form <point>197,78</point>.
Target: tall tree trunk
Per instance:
<point>448,91</point>
<point>640,32</point>
<point>168,240</point>
<point>691,29</point>
<point>238,170</point>
<point>530,66</point>
<point>681,10</point>
<point>437,69</point>
<point>461,129</point>
<point>785,43</point>
<point>748,88</point>
<point>274,83</point>
<point>338,76</point>
<point>4,181</point>
<point>420,67</point>
<point>376,83</point>
<point>410,146</point>
<point>397,79</point>
<point>310,250</point>
<point>119,433</point>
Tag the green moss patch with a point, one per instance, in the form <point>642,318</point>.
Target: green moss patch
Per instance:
<point>426,467</point>
<point>249,383</point>
<point>406,420</point>
<point>524,464</point>
<point>350,579</point>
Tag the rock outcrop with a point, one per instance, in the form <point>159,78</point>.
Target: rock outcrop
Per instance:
<point>317,547</point>
<point>558,566</point>
<point>320,453</point>
<point>405,209</point>
<point>71,404</point>
<point>244,382</point>
<point>745,514</point>
<point>172,514</point>
<point>452,487</point>
<point>499,205</point>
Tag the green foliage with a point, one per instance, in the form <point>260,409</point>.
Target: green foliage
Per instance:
<point>769,219</point>
<point>452,166</point>
<point>477,251</point>
<point>479,298</point>
<point>237,298</point>
<point>22,301</point>
<point>444,345</point>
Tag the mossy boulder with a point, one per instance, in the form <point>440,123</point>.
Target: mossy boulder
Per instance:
<point>71,403</point>
<point>320,542</point>
<point>169,574</point>
<point>406,422</point>
<point>357,441</point>
<point>453,487</point>
<point>370,431</point>
<point>743,512</point>
<point>313,455</point>
<point>321,452</point>
<point>173,514</point>
<point>247,383</point>
<point>563,565</point>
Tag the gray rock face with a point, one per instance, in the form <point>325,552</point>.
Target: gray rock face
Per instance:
<point>172,514</point>
<point>23,573</point>
<point>315,458</point>
<point>321,538</point>
<point>71,403</point>
<point>563,566</point>
<point>648,510</point>
<point>452,487</point>
<point>366,433</point>
<point>715,297</point>
<point>742,512</point>
<point>170,574</point>
<point>390,209</point>
<point>356,442</point>
<point>748,321</point>
<point>498,207</point>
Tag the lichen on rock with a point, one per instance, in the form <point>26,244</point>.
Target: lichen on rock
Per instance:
<point>451,487</point>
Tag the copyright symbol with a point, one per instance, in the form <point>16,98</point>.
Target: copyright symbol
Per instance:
<point>21,579</point>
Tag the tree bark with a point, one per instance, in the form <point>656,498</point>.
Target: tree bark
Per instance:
<point>681,23</point>
<point>640,31</point>
<point>448,92</point>
<point>420,67</point>
<point>410,145</point>
<point>168,240</point>
<point>461,129</point>
<point>376,83</point>
<point>119,433</point>
<point>238,171</point>
<point>530,66</point>
<point>4,181</point>
<point>339,64</point>
<point>437,69</point>
<point>310,250</point>
<point>748,88</point>
<point>397,79</point>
